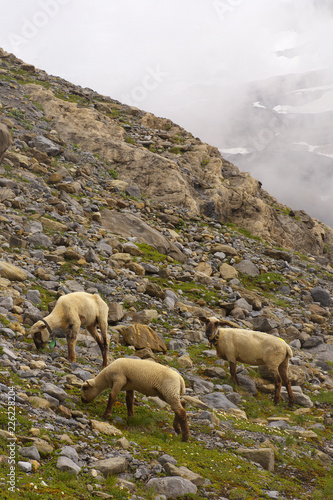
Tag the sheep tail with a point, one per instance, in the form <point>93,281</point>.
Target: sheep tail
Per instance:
<point>182,386</point>
<point>289,353</point>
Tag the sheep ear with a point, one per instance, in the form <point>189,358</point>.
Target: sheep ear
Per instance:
<point>87,384</point>
<point>44,335</point>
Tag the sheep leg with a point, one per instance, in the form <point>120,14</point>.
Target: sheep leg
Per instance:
<point>232,366</point>
<point>283,370</point>
<point>180,423</point>
<point>103,325</point>
<point>130,403</point>
<point>278,385</point>
<point>109,406</point>
<point>71,337</point>
<point>102,344</point>
<point>116,388</point>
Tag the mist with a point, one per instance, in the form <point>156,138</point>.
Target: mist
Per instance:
<point>253,78</point>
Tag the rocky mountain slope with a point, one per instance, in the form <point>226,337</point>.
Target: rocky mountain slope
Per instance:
<point>100,197</point>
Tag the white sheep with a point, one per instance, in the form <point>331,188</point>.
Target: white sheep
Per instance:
<point>253,348</point>
<point>70,313</point>
<point>145,376</point>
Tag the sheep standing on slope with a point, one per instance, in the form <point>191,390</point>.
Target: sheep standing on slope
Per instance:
<point>253,348</point>
<point>70,313</point>
<point>146,377</point>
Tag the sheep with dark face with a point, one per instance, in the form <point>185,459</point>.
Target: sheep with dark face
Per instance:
<point>72,311</point>
<point>253,348</point>
<point>147,377</point>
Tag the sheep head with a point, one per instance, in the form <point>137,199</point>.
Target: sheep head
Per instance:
<point>86,391</point>
<point>212,325</point>
<point>40,334</point>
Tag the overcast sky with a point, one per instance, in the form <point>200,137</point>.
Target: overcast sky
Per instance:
<point>151,53</point>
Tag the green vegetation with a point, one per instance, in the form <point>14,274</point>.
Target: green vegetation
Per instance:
<point>113,173</point>
<point>130,140</point>
<point>151,254</point>
<point>176,151</point>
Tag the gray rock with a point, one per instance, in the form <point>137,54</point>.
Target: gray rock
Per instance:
<point>82,374</point>
<point>70,452</point>
<point>24,466</point>
<point>247,383</point>
<point>46,146</point>
<point>322,296</point>
<point>215,372</point>
<point>116,312</point>
<point>312,342</point>
<point>54,402</point>
<point>247,267</point>
<point>91,256</point>
<point>54,391</point>
<point>169,303</point>
<point>40,239</point>
<point>262,456</point>
<point>7,332</point>
<point>66,464</point>
<point>149,268</point>
<point>134,191</point>
<point>165,458</point>
<point>280,424</point>
<point>262,324</point>
<point>172,487</point>
<point>324,352</point>
<point>296,344</point>
<point>30,452</point>
<point>234,397</point>
<point>176,345</point>
<point>7,303</point>
<point>220,255</point>
<point>11,355</point>
<point>111,466</point>
<point>300,398</point>
<point>243,304</point>
<point>199,385</point>
<point>218,401</point>
<point>33,296</point>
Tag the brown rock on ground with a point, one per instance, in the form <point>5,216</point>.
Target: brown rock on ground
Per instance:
<point>141,336</point>
<point>5,140</point>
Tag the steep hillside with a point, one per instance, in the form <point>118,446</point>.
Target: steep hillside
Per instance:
<point>99,197</point>
<point>167,163</point>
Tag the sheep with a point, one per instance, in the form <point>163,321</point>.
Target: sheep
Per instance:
<point>146,377</point>
<point>254,348</point>
<point>70,313</point>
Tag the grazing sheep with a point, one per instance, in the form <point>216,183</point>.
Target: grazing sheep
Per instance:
<point>253,348</point>
<point>147,377</point>
<point>70,313</point>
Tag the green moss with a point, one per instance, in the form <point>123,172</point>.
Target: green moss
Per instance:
<point>176,151</point>
<point>130,140</point>
<point>113,173</point>
<point>151,254</point>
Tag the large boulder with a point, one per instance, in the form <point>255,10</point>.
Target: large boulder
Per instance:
<point>5,140</point>
<point>141,336</point>
<point>127,225</point>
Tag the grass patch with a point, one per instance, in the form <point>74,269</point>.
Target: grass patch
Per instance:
<point>151,254</point>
